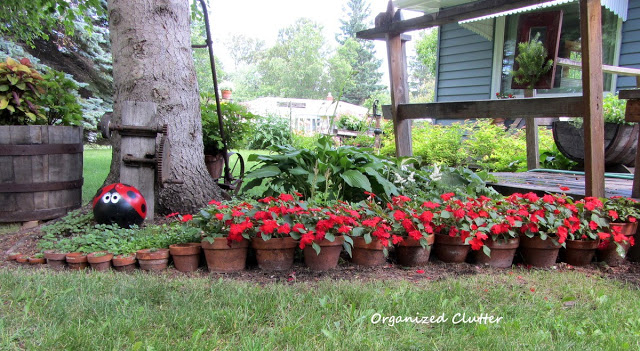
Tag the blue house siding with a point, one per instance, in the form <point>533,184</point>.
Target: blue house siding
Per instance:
<point>630,46</point>
<point>464,65</point>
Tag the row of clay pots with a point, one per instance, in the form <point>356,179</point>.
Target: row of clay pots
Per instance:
<point>20,258</point>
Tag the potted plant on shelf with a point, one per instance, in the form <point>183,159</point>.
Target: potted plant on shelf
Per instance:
<point>413,230</point>
<point>543,230</point>
<point>225,229</point>
<point>622,214</point>
<point>497,227</point>
<point>42,132</point>
<point>275,233</point>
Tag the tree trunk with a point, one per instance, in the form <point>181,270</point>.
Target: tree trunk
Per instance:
<point>152,62</point>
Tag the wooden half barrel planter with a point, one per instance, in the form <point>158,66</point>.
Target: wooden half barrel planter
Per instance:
<point>40,172</point>
<point>620,142</point>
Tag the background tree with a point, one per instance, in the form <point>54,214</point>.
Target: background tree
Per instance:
<point>201,55</point>
<point>294,66</point>
<point>365,68</point>
<point>244,50</point>
<point>148,67</point>
<point>423,67</point>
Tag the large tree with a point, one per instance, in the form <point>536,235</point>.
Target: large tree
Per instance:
<point>365,68</point>
<point>422,67</point>
<point>294,66</point>
<point>152,62</point>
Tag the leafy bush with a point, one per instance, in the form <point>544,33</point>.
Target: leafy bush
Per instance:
<point>60,99</point>
<point>479,144</point>
<point>237,121</point>
<point>301,141</point>
<point>613,110</point>
<point>20,88</point>
<point>362,140</point>
<point>350,122</point>
<point>270,130</point>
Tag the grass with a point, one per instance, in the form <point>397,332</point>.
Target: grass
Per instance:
<point>98,160</point>
<point>540,310</point>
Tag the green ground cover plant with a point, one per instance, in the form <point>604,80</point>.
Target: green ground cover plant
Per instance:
<point>540,310</point>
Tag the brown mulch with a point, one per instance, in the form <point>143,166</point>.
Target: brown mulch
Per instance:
<point>25,241</point>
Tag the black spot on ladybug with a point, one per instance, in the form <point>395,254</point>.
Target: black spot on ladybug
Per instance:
<point>132,195</point>
<point>143,208</point>
<point>127,185</point>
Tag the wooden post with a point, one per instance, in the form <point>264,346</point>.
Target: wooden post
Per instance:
<point>533,154</point>
<point>592,85</point>
<point>143,178</point>
<point>397,55</point>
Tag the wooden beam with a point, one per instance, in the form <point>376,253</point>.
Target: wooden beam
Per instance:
<point>397,56</point>
<point>629,94</point>
<point>534,107</point>
<point>592,85</point>
<point>446,15</point>
<point>531,133</point>
<point>623,71</point>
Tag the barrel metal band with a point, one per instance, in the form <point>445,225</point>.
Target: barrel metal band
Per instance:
<point>35,187</point>
<point>40,149</point>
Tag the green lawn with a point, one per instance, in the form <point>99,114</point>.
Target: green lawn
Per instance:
<point>539,310</point>
<point>98,160</point>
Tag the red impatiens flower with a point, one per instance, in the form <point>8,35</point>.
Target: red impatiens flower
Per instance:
<point>564,188</point>
<point>431,205</point>
<point>187,218</point>
<point>447,196</point>
<point>399,215</point>
<point>172,214</point>
<point>613,214</point>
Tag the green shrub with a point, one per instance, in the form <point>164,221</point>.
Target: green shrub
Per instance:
<point>60,99</point>
<point>362,140</point>
<point>301,141</point>
<point>270,130</point>
<point>613,110</point>
<point>237,121</point>
<point>350,122</point>
<point>20,89</point>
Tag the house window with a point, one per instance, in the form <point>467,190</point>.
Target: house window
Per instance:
<point>567,80</point>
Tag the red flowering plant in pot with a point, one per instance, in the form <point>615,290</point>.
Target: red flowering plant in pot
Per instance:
<point>226,229</point>
<point>373,237</point>
<point>413,230</point>
<point>325,232</point>
<point>495,227</point>
<point>585,229</point>
<point>453,232</point>
<point>547,221</point>
<point>277,227</point>
<point>621,214</point>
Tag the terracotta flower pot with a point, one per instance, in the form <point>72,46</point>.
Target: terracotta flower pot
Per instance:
<point>186,257</point>
<point>410,253</point>
<point>56,260</point>
<point>275,254</point>
<point>100,261</point>
<point>22,258</point>
<point>77,260</point>
<point>368,255</point>
<point>37,260</point>
<point>450,249</point>
<point>13,256</point>
<point>580,252</point>
<point>328,256</point>
<point>124,263</point>
<point>538,252</point>
<point>607,250</point>
<point>153,259</point>
<point>502,252</point>
<point>224,257</point>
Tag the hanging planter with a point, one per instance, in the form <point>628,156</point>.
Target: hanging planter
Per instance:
<point>186,257</point>
<point>410,252</point>
<point>100,261</point>
<point>502,252</point>
<point>225,256</point>
<point>328,256</point>
<point>450,249</point>
<point>153,259</point>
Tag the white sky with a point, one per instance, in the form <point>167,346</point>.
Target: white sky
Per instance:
<point>263,19</point>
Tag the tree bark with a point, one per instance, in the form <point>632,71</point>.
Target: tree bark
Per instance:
<point>152,62</point>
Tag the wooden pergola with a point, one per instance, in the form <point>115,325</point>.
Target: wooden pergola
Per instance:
<point>391,28</point>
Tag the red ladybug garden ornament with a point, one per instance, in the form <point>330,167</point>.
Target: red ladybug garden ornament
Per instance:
<point>121,204</point>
